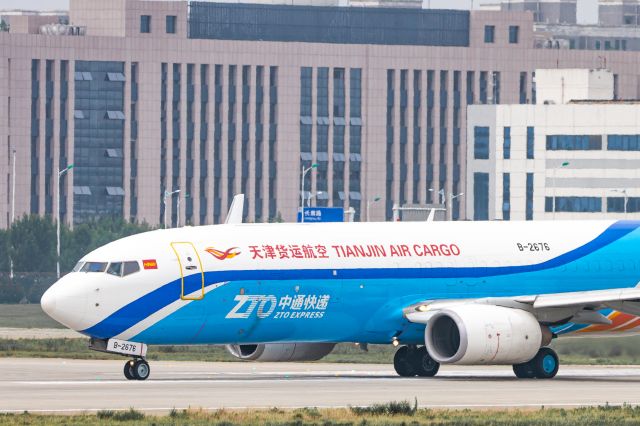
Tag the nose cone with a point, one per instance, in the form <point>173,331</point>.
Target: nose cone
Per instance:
<point>48,303</point>
<point>66,302</point>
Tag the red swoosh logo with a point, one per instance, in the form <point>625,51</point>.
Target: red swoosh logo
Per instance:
<point>222,255</point>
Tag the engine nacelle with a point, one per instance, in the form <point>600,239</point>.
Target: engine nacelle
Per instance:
<point>483,334</point>
<point>281,352</point>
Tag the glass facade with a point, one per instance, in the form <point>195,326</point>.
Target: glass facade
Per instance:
<point>506,143</point>
<point>35,136</point>
<point>506,196</point>
<point>49,107</point>
<point>417,134</point>
<point>231,132</point>
<point>273,140</point>
<point>349,25</point>
<point>355,140</point>
<point>322,134</point>
<point>63,159</point>
<point>530,143</point>
<point>623,142</point>
<point>403,137</point>
<point>390,143</point>
<point>133,144</point>
<point>176,153</point>
<point>481,143</point>
<point>481,196</point>
<point>489,33</point>
<point>204,144</point>
<point>574,204</point>
<point>529,197</point>
<point>217,144</point>
<point>338,193</point>
<point>99,139</point>
<point>245,132</point>
<point>259,136</point>
<point>430,135</point>
<point>574,142</point>
<point>164,82</point>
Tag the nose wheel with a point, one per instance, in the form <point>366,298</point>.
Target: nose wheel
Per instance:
<point>137,369</point>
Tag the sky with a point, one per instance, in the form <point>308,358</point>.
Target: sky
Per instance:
<point>587,9</point>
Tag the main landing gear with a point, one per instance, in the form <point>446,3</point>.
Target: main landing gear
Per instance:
<point>412,361</point>
<point>137,369</point>
<point>543,366</point>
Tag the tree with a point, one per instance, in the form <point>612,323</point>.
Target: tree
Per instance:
<point>32,244</point>
<point>4,251</point>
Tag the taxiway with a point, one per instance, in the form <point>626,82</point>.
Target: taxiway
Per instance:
<point>67,386</point>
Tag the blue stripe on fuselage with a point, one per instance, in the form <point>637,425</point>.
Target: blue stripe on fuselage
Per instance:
<point>141,308</point>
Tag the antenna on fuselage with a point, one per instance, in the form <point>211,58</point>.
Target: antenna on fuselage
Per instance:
<point>234,215</point>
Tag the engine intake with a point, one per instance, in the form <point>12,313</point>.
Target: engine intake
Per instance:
<point>483,334</point>
<point>281,352</point>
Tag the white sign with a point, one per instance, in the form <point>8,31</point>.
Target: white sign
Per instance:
<point>127,348</point>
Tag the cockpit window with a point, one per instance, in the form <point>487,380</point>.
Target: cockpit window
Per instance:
<point>94,267</point>
<point>115,268</point>
<point>130,268</point>
<point>77,267</point>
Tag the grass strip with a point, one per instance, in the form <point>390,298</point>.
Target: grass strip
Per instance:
<point>393,413</point>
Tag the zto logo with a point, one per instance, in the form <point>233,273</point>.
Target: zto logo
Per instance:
<point>222,255</point>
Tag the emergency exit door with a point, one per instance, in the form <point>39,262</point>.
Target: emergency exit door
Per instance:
<point>191,272</point>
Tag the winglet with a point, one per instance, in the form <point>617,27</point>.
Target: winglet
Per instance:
<point>234,215</point>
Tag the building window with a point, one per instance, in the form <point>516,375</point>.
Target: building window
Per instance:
<point>481,196</point>
<point>633,205</point>
<point>481,143</point>
<point>489,33</point>
<point>506,145</point>
<point>171,24</point>
<point>574,204</point>
<point>145,24</point>
<point>615,204</point>
<point>513,34</point>
<point>529,199</point>
<point>506,196</point>
<point>574,142</point>
<point>530,143</point>
<point>623,142</point>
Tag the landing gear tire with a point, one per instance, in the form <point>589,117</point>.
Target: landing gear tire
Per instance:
<point>128,370</point>
<point>524,371</point>
<point>426,366</point>
<point>545,364</point>
<point>141,369</point>
<point>411,361</point>
<point>403,362</point>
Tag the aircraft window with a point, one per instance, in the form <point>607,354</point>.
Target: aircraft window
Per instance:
<point>77,267</point>
<point>94,267</point>
<point>115,268</point>
<point>130,268</point>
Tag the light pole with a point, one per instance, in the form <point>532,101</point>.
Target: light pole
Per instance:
<point>60,173</point>
<point>313,196</point>
<point>13,205</point>
<point>563,164</point>
<point>302,175</point>
<point>168,194</point>
<point>369,202</point>
<point>178,210</point>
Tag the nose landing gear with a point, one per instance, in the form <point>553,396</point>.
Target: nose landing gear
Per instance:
<point>137,369</point>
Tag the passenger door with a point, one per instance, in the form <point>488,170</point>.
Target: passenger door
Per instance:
<point>191,271</point>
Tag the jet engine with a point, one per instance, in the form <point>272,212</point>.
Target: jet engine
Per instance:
<point>484,334</point>
<point>281,352</point>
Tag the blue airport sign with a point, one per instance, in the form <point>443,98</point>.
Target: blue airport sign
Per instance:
<point>323,214</point>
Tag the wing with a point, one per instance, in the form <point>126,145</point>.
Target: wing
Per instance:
<point>580,307</point>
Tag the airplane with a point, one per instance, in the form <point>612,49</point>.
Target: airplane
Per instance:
<point>473,293</point>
